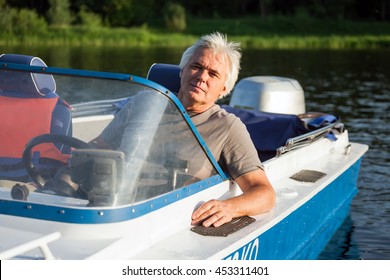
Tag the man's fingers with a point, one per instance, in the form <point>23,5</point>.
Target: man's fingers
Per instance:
<point>212,213</point>
<point>203,211</point>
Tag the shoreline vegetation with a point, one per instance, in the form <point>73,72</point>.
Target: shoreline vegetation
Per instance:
<point>253,33</point>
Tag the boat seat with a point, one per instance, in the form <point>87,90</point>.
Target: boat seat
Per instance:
<point>30,107</point>
<point>167,75</point>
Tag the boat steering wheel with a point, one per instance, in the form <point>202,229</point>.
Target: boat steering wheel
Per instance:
<point>32,170</point>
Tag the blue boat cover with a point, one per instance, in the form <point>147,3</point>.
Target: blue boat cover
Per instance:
<point>269,131</point>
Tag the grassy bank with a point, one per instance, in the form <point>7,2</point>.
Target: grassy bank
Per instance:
<point>282,33</point>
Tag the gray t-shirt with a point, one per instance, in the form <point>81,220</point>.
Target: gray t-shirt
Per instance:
<point>228,140</point>
<point>224,133</point>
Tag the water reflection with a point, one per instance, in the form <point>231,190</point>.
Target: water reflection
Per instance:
<point>343,245</point>
<point>357,89</point>
<point>112,59</point>
<point>354,85</point>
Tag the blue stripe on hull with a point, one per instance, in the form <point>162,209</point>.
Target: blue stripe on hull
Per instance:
<point>306,231</point>
<point>87,215</point>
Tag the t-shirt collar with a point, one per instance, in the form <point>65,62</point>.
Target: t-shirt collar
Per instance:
<point>198,118</point>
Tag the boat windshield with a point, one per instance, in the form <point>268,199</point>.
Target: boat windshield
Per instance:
<point>150,146</point>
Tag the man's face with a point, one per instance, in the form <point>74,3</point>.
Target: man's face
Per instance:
<point>203,80</point>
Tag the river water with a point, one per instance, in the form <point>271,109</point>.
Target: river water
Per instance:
<point>354,85</point>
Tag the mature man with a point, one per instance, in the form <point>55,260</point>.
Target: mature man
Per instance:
<point>209,70</point>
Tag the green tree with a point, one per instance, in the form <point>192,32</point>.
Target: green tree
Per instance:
<point>29,22</point>
<point>59,13</point>
<point>6,19</point>
<point>175,17</point>
<point>128,12</point>
<point>21,21</point>
<point>263,7</point>
<point>88,19</point>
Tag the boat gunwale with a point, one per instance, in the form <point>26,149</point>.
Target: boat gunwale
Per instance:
<point>101,215</point>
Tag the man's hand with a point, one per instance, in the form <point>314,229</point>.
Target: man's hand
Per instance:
<point>258,196</point>
<point>213,213</point>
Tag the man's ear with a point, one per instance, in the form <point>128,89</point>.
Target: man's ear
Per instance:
<point>223,92</point>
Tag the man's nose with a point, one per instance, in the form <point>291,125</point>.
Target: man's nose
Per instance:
<point>203,75</point>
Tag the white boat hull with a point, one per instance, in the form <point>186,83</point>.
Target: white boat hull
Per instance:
<point>293,224</point>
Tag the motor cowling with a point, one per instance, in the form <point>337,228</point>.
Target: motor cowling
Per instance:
<point>271,94</point>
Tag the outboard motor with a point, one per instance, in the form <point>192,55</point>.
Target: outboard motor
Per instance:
<point>269,94</point>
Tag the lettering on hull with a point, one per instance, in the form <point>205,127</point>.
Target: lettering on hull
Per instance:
<point>248,252</point>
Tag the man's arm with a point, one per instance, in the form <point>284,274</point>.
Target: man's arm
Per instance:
<point>258,196</point>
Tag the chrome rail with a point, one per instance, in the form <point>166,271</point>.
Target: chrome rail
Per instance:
<point>305,139</point>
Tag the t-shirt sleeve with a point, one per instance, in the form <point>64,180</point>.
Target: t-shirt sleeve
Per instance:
<point>239,154</point>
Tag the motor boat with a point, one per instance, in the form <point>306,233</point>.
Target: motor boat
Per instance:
<point>62,198</point>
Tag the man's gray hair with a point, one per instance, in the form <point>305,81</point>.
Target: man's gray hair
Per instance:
<point>219,44</point>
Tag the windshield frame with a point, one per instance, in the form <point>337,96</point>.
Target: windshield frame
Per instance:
<point>122,77</point>
<point>76,213</point>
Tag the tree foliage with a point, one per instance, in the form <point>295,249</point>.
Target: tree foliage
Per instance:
<point>86,17</point>
<point>175,17</point>
<point>21,21</point>
<point>130,13</point>
<point>59,13</point>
